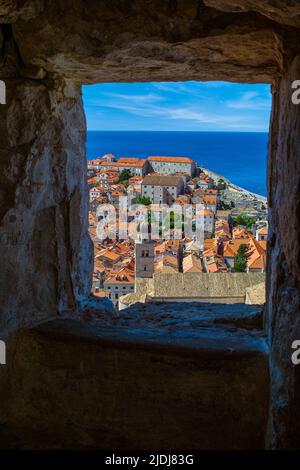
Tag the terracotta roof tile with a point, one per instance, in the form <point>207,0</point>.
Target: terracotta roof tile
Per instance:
<point>170,159</point>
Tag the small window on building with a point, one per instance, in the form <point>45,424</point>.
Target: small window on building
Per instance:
<point>117,296</point>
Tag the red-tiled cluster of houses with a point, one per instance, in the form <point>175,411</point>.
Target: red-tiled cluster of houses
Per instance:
<point>114,266</point>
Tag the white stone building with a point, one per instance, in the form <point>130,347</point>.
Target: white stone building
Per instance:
<point>262,233</point>
<point>162,189</point>
<point>136,166</point>
<point>118,284</point>
<point>172,165</point>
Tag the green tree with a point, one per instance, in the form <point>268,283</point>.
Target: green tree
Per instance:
<point>221,183</point>
<point>244,220</point>
<point>124,176</point>
<point>144,200</point>
<point>240,260</point>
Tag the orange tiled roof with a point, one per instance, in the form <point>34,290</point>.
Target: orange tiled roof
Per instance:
<point>109,254</point>
<point>124,276</point>
<point>240,232</point>
<point>167,245</point>
<point>206,212</point>
<point>96,160</point>
<point>117,193</point>
<point>191,264</point>
<point>263,230</point>
<point>210,191</point>
<point>94,179</point>
<point>170,159</point>
<point>231,247</point>
<point>134,179</point>
<point>183,199</point>
<point>263,244</point>
<point>210,244</point>
<point>139,164</point>
<point>210,199</point>
<point>122,249</point>
<point>131,160</point>
<point>256,251</point>
<point>166,261</point>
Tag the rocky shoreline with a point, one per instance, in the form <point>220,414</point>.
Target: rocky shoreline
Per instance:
<point>240,199</point>
<point>230,185</point>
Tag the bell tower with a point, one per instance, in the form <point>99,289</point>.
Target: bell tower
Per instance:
<point>144,258</point>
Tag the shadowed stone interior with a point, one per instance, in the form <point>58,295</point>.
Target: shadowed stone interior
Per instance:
<point>153,380</point>
<point>47,50</point>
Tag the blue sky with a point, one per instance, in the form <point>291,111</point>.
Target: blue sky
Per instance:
<point>180,106</point>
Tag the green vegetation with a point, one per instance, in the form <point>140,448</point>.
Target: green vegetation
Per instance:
<point>173,220</point>
<point>244,220</point>
<point>144,200</point>
<point>240,260</point>
<point>221,183</point>
<point>124,177</point>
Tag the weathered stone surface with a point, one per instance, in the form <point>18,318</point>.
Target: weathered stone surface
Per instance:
<point>283,288</point>
<point>124,41</point>
<point>283,11</point>
<point>226,288</point>
<point>89,385</point>
<point>256,295</point>
<point>46,258</point>
<point>170,317</point>
<point>12,10</point>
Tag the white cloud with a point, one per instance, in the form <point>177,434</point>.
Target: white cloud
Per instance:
<point>148,110</point>
<point>250,100</point>
<point>189,114</point>
<point>145,98</point>
<point>201,115</point>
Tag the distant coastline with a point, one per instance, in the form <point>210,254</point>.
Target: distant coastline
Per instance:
<point>239,157</point>
<point>232,186</point>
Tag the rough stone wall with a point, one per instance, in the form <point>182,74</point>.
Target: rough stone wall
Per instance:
<point>143,384</point>
<point>138,40</point>
<point>45,250</point>
<point>284,11</point>
<point>283,288</point>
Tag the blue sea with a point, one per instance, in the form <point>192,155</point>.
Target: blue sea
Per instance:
<point>239,156</point>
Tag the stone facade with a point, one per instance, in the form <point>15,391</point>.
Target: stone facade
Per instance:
<point>144,259</point>
<point>169,165</point>
<point>149,386</point>
<point>162,189</point>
